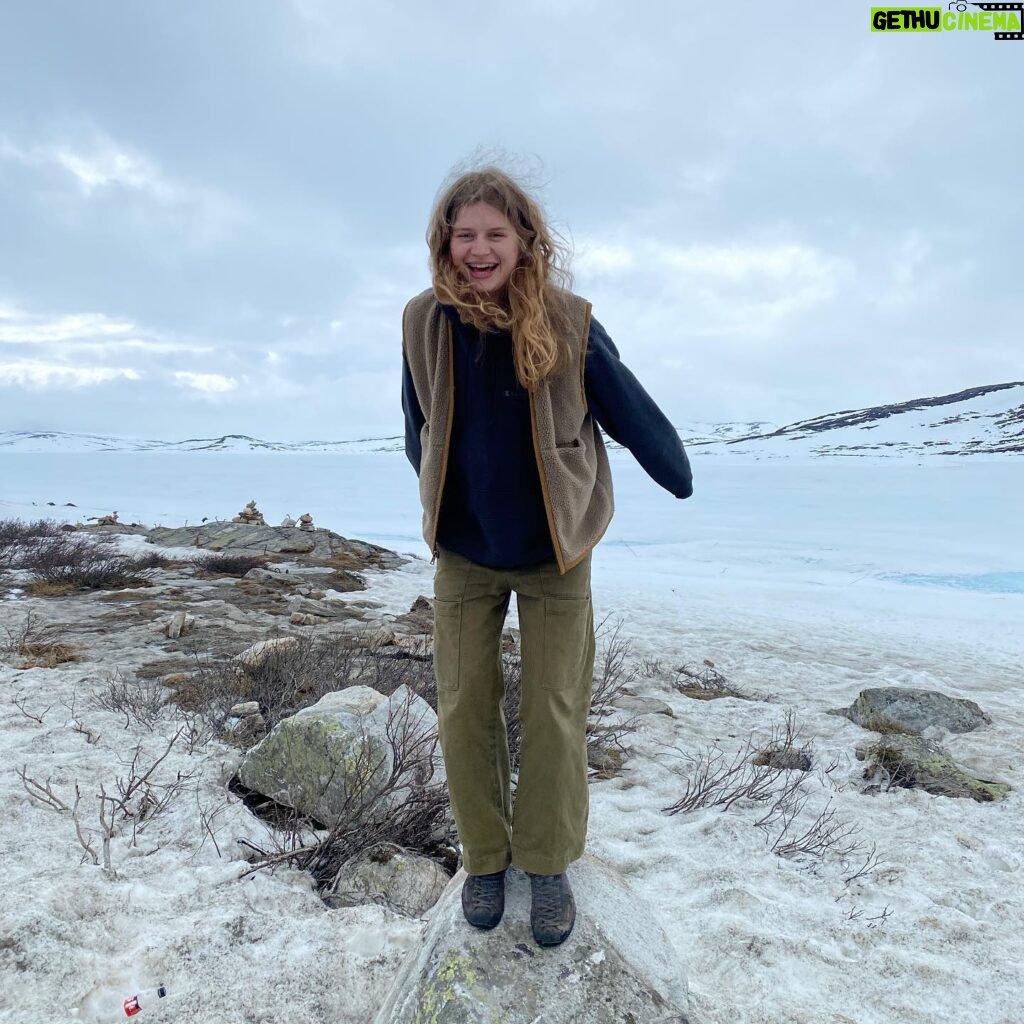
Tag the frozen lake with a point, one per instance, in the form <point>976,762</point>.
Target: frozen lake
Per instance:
<point>927,550</point>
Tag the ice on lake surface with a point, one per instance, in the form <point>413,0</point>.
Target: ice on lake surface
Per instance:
<point>916,547</point>
<point>989,582</point>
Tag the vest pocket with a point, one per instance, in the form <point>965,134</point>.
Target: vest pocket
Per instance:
<point>567,622</point>
<point>447,642</point>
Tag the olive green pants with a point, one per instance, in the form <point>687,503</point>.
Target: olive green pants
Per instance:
<point>547,828</point>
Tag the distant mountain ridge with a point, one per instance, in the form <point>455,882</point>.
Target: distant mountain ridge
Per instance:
<point>985,420</point>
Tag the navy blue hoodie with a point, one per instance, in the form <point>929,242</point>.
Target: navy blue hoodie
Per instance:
<point>492,508</point>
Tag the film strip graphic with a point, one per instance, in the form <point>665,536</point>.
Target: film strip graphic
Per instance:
<point>1018,7</point>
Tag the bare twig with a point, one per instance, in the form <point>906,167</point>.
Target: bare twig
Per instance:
<point>41,792</point>
<point>139,702</point>
<point>90,737</point>
<point>18,702</point>
<point>83,837</point>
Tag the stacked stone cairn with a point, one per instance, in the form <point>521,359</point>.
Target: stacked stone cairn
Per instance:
<point>250,515</point>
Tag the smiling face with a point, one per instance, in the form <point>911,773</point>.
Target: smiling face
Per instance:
<point>484,246</point>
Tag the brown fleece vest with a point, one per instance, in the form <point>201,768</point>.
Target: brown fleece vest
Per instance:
<point>572,461</point>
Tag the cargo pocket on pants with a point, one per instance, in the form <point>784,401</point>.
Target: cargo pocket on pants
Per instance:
<point>566,625</point>
<point>447,641</point>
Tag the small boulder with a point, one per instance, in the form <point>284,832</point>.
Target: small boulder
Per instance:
<point>254,656</point>
<point>336,757</point>
<point>419,618</point>
<point>896,709</point>
<point>911,762</point>
<point>306,619</point>
<point>271,576</point>
<point>404,881</point>
<point>640,705</point>
<point>180,624</point>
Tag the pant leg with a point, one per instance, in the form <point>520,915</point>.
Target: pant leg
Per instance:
<point>556,622</point>
<point>470,605</point>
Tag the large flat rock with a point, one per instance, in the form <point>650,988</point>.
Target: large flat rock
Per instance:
<point>319,546</point>
<point>616,967</point>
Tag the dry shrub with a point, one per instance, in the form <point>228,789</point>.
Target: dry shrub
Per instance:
<point>15,533</point>
<point>141,703</point>
<point>228,564</point>
<point>294,676</point>
<point>37,589</point>
<point>606,726</point>
<point>713,779</point>
<point>48,655</point>
<point>37,644</point>
<point>705,683</point>
<point>81,562</point>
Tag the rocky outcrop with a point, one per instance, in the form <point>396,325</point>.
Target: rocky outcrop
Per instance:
<point>895,709</point>
<point>911,762</point>
<point>313,547</point>
<point>617,965</point>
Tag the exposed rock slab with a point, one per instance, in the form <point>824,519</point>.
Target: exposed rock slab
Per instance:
<point>332,609</point>
<point>912,762</point>
<point>896,709</point>
<point>318,546</point>
<point>616,966</point>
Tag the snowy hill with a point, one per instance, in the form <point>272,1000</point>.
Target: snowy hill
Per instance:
<point>985,420</point>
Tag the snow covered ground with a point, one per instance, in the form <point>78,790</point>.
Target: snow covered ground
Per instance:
<point>804,581</point>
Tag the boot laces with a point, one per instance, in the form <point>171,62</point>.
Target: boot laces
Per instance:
<point>549,897</point>
<point>484,890</point>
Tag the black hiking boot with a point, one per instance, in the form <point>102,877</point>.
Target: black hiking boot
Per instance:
<point>483,899</point>
<point>552,910</point>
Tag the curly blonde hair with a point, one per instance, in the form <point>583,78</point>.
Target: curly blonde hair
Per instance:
<point>532,305</point>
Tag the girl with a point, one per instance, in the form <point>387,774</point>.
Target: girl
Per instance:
<point>508,382</point>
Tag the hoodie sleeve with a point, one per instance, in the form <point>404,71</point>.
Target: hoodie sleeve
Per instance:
<point>629,416</point>
<point>414,418</point>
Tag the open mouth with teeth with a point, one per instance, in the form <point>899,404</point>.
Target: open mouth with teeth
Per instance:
<point>479,271</point>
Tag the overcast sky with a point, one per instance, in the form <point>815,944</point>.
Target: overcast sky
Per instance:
<point>211,215</point>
